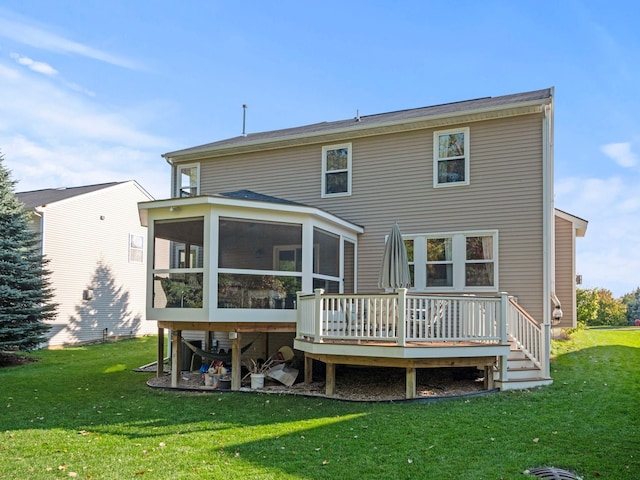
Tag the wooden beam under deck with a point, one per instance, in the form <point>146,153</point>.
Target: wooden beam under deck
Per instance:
<point>404,362</point>
<point>244,327</point>
<point>410,364</point>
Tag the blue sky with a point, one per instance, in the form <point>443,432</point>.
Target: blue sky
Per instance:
<point>95,91</point>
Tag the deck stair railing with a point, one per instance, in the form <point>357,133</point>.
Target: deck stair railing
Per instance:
<point>401,318</point>
<point>525,332</point>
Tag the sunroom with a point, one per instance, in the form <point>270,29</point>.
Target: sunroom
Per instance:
<point>234,262</point>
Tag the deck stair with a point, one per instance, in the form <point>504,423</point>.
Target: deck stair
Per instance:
<point>522,373</point>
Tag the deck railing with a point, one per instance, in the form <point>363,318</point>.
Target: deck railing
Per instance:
<point>525,332</point>
<point>400,318</point>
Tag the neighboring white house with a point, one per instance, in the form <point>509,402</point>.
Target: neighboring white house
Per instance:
<point>96,247</point>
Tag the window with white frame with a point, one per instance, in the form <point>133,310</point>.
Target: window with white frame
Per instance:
<point>187,180</point>
<point>451,157</point>
<point>336,170</point>
<point>136,247</point>
<point>456,261</point>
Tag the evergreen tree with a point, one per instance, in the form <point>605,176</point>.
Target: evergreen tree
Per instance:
<point>632,301</point>
<point>25,291</point>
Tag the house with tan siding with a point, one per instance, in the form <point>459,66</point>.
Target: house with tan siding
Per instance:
<point>96,249</point>
<point>281,235</point>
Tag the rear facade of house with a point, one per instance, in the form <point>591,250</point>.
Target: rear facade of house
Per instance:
<point>470,185</point>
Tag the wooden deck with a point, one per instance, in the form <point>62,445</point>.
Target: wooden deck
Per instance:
<point>411,356</point>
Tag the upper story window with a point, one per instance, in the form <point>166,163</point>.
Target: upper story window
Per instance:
<point>336,170</point>
<point>187,180</point>
<point>451,157</point>
<point>454,261</point>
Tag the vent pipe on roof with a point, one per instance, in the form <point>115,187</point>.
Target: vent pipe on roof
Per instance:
<point>357,119</point>
<point>244,119</point>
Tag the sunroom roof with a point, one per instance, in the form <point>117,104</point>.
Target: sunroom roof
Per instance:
<point>245,199</point>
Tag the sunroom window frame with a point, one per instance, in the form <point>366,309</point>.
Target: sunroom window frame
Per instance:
<point>326,171</point>
<point>437,159</point>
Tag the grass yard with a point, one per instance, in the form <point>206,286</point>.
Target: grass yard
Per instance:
<point>84,413</point>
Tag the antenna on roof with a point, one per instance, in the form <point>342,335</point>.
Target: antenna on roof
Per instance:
<point>244,119</point>
<point>357,119</point>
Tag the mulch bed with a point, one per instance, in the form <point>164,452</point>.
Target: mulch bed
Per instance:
<point>363,384</point>
<point>13,359</point>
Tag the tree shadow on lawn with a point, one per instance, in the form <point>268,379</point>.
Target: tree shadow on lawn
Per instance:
<point>318,438</point>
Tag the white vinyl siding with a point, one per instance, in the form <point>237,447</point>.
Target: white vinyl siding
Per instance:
<point>87,240</point>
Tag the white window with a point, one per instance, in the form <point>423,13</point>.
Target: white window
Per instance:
<point>136,248</point>
<point>451,157</point>
<point>458,261</point>
<point>336,170</point>
<point>187,180</point>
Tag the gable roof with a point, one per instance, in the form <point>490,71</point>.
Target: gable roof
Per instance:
<point>37,198</point>
<point>448,113</point>
<point>580,224</point>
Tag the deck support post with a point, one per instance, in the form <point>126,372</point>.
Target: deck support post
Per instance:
<point>330,381</point>
<point>411,391</point>
<point>503,367</point>
<point>160,354</point>
<point>176,357</point>
<point>236,362</point>
<point>489,383</point>
<point>308,369</point>
<point>208,342</point>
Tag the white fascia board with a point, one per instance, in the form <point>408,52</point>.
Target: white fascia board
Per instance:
<point>142,189</point>
<point>361,131</point>
<point>144,207</point>
<point>579,224</point>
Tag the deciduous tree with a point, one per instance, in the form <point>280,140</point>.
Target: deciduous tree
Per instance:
<point>586,305</point>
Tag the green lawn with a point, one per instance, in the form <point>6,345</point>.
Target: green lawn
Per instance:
<point>84,413</point>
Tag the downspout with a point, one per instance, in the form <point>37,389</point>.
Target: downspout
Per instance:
<point>169,160</point>
<point>548,232</point>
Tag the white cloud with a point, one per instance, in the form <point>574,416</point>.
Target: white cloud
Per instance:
<point>39,67</point>
<point>38,108</point>
<point>24,33</point>
<point>46,69</point>
<point>621,153</point>
<point>52,137</point>
<point>607,257</point>
<point>36,165</point>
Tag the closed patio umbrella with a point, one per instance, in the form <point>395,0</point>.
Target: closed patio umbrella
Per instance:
<point>394,271</point>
